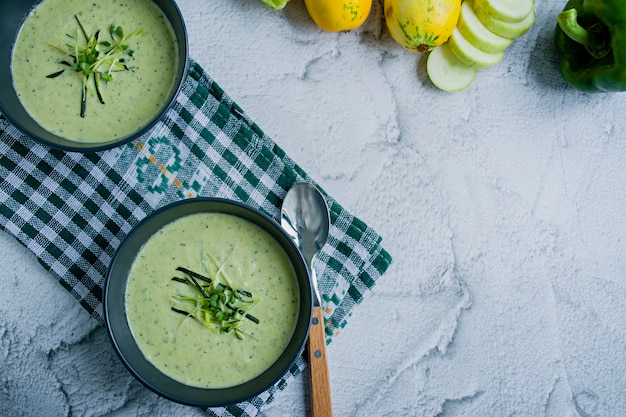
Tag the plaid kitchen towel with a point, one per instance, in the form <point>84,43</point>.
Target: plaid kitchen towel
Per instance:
<point>72,210</point>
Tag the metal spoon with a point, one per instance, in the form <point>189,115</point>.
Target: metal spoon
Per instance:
<point>305,217</point>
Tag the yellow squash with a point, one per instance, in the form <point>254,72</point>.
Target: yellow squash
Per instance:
<point>420,25</point>
<point>338,15</point>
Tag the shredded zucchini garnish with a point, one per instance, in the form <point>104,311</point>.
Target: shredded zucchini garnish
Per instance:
<point>220,308</point>
<point>95,59</point>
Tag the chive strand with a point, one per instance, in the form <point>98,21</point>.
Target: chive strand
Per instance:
<point>251,318</point>
<point>98,92</point>
<point>180,311</point>
<point>83,99</point>
<point>55,74</point>
<point>245,293</point>
<point>194,274</point>
<point>202,291</point>
<point>82,28</point>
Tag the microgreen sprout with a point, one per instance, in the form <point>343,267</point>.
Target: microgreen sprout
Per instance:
<point>95,59</point>
<point>218,307</point>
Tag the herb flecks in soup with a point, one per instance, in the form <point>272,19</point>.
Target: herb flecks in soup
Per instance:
<point>95,58</point>
<point>235,253</point>
<point>133,99</point>
<point>216,306</point>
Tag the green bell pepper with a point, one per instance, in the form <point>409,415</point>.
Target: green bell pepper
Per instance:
<point>591,37</point>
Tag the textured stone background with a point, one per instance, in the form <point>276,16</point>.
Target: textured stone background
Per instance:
<point>503,206</point>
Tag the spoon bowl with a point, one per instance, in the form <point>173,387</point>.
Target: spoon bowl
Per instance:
<point>305,217</point>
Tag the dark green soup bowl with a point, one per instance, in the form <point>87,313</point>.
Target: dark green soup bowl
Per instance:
<point>13,13</point>
<point>121,334</point>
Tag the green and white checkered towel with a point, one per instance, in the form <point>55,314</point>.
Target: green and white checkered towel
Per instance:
<point>72,210</point>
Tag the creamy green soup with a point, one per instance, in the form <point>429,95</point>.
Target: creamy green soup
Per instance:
<point>233,251</point>
<point>132,98</point>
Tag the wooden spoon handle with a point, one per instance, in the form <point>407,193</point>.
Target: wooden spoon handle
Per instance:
<point>321,403</point>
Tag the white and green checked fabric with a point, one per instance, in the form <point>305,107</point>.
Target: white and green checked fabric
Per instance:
<point>72,210</point>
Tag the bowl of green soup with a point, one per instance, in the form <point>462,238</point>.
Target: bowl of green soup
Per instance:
<point>208,302</point>
<point>88,76</point>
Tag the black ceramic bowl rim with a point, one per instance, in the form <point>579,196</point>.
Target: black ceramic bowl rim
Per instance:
<point>120,333</point>
<point>12,16</point>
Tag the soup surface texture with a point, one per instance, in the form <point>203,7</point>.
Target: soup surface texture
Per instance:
<point>233,251</point>
<point>132,98</point>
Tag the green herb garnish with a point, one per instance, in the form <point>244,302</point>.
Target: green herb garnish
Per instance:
<point>95,59</point>
<point>219,307</point>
